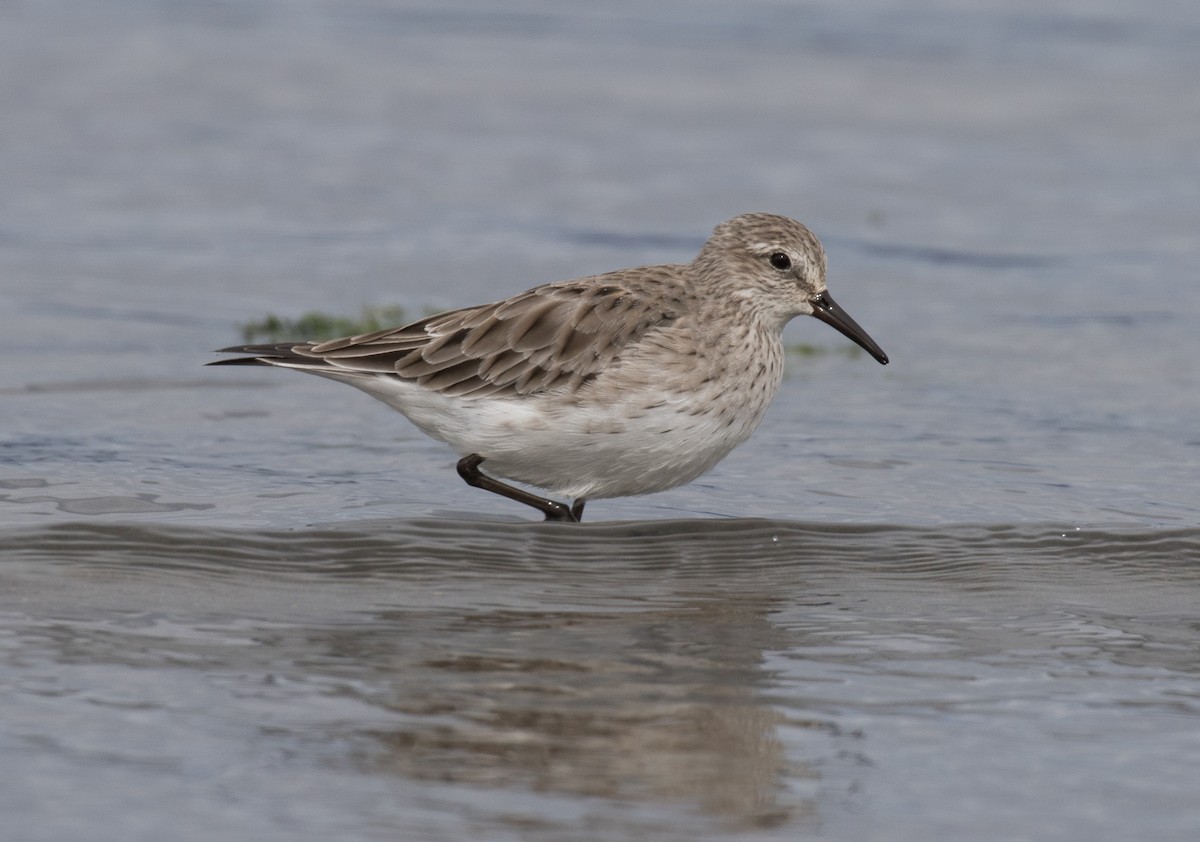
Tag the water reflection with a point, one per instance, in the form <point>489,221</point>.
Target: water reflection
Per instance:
<point>661,705</point>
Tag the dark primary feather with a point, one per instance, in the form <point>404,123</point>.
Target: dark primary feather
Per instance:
<point>557,336</point>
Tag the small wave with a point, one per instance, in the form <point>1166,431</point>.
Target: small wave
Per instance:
<point>734,553</point>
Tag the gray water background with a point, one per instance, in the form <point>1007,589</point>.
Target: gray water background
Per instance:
<point>952,598</point>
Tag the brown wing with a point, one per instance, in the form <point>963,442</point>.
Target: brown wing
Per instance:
<point>552,337</point>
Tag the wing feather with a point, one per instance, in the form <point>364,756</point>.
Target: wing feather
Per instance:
<point>557,336</point>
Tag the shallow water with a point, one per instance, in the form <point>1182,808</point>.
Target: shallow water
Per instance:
<point>950,598</point>
<point>654,679</point>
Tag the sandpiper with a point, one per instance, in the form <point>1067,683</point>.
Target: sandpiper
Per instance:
<point>619,384</point>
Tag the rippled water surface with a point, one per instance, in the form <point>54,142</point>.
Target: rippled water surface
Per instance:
<point>661,679</point>
<point>952,598</point>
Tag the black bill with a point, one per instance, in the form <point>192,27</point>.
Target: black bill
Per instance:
<point>827,310</point>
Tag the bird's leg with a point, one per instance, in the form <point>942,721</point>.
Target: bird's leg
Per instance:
<point>577,509</point>
<point>468,469</point>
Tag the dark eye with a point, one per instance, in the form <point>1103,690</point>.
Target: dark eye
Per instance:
<point>780,261</point>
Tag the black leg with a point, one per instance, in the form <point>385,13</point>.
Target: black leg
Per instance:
<point>577,509</point>
<point>468,469</point>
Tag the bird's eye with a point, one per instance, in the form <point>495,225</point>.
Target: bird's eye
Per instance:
<point>780,261</point>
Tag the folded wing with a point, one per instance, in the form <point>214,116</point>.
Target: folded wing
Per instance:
<point>553,337</point>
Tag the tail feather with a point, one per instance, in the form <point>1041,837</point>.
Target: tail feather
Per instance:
<point>287,353</point>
